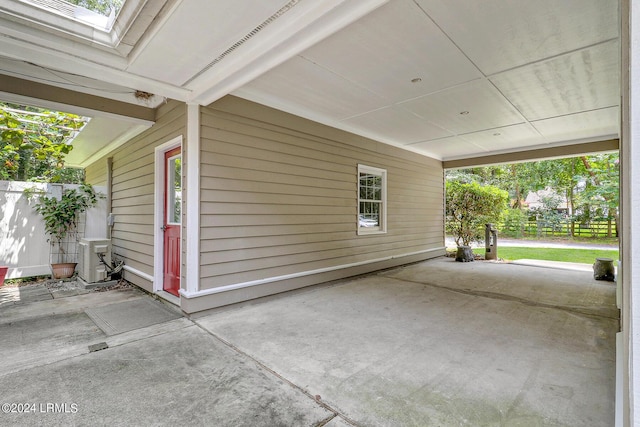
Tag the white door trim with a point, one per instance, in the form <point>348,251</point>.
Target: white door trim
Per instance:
<point>158,215</point>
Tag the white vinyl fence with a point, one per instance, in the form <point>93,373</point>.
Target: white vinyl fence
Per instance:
<point>24,246</point>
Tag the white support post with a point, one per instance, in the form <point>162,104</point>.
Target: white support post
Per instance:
<point>192,230</point>
<point>628,360</point>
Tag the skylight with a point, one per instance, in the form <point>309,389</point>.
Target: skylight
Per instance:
<point>103,7</point>
<point>100,14</point>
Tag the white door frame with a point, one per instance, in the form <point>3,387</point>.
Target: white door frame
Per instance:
<point>158,216</point>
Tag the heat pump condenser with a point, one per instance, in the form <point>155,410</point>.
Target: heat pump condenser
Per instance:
<point>90,268</point>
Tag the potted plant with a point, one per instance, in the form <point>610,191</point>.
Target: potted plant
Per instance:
<point>61,220</point>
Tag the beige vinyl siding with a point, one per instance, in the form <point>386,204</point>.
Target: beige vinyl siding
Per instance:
<point>279,196</point>
<point>133,191</point>
<point>96,173</point>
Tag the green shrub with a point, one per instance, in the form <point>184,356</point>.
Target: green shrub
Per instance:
<point>514,221</point>
<point>61,215</point>
<point>469,207</point>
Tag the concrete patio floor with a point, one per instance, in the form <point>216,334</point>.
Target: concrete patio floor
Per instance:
<point>437,343</point>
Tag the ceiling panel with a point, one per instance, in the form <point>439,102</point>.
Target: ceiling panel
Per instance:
<point>387,49</point>
<point>466,108</point>
<point>505,138</point>
<point>590,124</point>
<point>397,71</point>
<point>578,81</point>
<point>395,124</point>
<point>446,148</point>
<point>310,87</point>
<point>499,35</point>
<point>90,140</point>
<point>197,33</point>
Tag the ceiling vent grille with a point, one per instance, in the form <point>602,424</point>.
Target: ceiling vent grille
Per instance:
<point>284,9</point>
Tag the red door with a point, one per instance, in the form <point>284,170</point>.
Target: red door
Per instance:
<point>172,220</point>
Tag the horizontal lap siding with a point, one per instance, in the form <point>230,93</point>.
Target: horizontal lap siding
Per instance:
<point>133,190</point>
<point>279,196</point>
<point>96,173</point>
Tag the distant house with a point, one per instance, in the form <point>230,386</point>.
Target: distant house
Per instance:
<point>535,200</point>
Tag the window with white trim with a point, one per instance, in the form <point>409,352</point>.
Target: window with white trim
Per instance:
<point>372,200</point>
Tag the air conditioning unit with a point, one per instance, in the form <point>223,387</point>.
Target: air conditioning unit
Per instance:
<point>90,268</point>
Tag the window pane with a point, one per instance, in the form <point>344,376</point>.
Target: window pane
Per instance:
<point>370,187</point>
<point>369,214</point>
<point>174,197</point>
<point>371,193</point>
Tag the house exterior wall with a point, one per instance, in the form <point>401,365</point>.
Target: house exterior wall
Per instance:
<point>132,193</point>
<point>278,204</point>
<point>96,173</point>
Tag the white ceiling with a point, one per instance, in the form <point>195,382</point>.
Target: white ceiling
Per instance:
<point>448,78</point>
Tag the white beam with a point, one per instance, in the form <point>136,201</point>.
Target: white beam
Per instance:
<point>305,25</point>
<point>69,63</point>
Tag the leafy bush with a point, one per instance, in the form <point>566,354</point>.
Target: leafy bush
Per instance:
<point>469,207</point>
<point>514,221</point>
<point>61,215</point>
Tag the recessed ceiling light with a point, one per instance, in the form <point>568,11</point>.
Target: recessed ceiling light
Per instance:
<point>464,113</point>
<point>416,80</point>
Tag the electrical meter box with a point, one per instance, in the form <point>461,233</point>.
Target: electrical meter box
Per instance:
<point>90,267</point>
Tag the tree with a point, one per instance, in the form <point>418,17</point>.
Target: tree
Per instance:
<point>34,143</point>
<point>590,184</point>
<point>469,206</point>
<point>547,215</point>
<point>514,221</point>
<point>601,195</point>
<point>518,179</point>
<point>103,7</point>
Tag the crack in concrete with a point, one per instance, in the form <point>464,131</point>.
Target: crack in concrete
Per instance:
<point>504,297</point>
<point>528,384</point>
<point>336,413</point>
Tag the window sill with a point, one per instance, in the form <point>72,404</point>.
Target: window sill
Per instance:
<point>367,232</point>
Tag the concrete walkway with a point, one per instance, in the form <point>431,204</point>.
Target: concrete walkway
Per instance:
<point>437,343</point>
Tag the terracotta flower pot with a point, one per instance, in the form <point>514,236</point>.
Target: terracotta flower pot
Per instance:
<point>63,270</point>
<point>3,274</point>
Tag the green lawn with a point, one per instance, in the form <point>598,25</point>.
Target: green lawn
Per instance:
<point>584,256</point>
